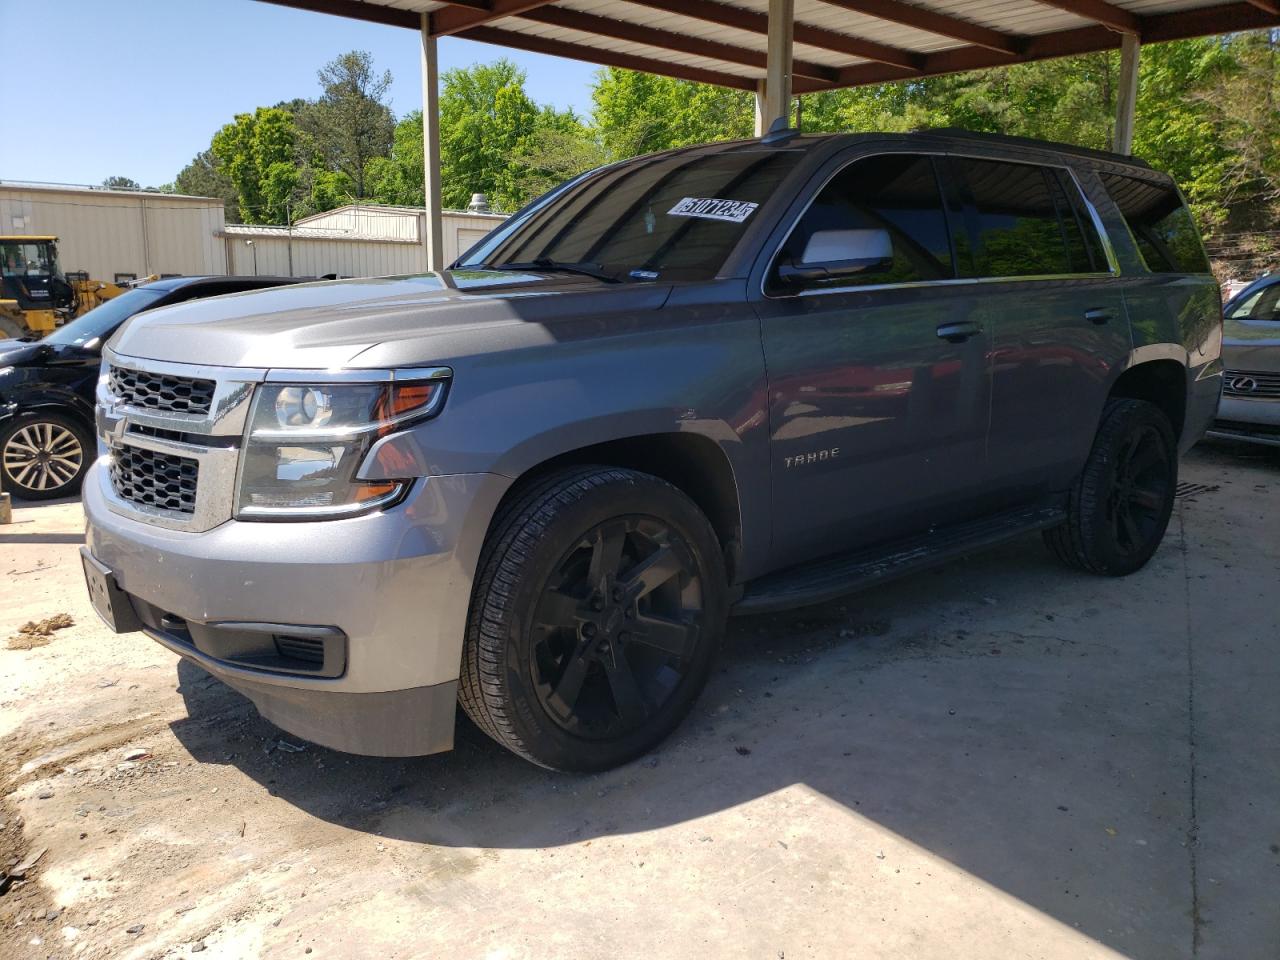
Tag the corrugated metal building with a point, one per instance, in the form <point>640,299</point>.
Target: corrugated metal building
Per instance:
<point>358,240</point>
<point>119,233</point>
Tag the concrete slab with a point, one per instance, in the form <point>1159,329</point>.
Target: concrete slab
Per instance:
<point>997,759</point>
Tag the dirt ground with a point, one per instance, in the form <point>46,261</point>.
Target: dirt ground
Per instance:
<point>998,759</point>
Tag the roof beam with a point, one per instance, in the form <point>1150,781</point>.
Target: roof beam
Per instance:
<point>353,10</point>
<point>447,21</point>
<point>1099,11</point>
<point>666,40</point>
<point>1181,25</point>
<point>1270,6</point>
<point>726,16</point>
<point>909,15</point>
<point>611,58</point>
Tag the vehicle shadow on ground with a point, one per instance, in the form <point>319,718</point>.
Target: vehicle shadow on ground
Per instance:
<point>993,745</point>
<point>1025,723</point>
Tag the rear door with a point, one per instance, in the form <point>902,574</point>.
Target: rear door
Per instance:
<point>1056,315</point>
<point>877,420</point>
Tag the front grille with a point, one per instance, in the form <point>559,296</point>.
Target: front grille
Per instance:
<point>1251,383</point>
<point>153,479</point>
<point>159,391</point>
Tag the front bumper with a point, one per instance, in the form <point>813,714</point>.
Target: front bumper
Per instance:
<point>394,585</point>
<point>1255,421</point>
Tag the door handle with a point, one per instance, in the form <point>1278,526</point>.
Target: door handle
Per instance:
<point>958,332</point>
<point>1099,315</point>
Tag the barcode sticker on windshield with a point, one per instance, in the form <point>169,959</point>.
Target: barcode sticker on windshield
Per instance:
<point>734,211</point>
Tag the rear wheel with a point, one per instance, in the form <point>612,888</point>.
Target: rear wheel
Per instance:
<point>1120,506</point>
<point>44,455</point>
<point>596,614</point>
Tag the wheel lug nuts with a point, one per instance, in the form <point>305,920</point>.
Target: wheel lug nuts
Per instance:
<point>589,630</point>
<point>624,637</point>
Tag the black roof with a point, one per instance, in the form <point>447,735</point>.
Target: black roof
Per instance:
<point>815,142</point>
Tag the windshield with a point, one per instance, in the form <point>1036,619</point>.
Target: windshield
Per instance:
<point>28,259</point>
<point>670,217</point>
<point>1263,304</point>
<point>103,319</point>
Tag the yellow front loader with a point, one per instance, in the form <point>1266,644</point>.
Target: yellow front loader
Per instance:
<point>35,296</point>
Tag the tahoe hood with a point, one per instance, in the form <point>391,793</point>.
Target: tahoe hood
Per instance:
<point>386,321</point>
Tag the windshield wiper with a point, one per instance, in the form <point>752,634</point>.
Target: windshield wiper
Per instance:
<point>546,263</point>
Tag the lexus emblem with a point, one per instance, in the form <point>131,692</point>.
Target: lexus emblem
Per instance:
<point>1243,385</point>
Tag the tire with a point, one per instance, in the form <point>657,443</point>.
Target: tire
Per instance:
<point>1119,507</point>
<point>598,609</point>
<point>44,455</point>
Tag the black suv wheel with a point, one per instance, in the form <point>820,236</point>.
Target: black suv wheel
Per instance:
<point>44,455</point>
<point>1120,506</point>
<point>597,611</point>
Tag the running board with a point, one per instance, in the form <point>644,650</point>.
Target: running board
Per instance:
<point>833,577</point>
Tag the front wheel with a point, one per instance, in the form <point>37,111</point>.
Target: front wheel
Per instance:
<point>1120,505</point>
<point>597,611</point>
<point>44,455</point>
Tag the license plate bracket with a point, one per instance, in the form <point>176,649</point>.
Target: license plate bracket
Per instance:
<point>109,602</point>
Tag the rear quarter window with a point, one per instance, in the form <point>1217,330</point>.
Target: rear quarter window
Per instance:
<point>1162,226</point>
<point>1025,223</point>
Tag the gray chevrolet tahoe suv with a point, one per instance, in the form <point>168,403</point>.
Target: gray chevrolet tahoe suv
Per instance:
<point>730,378</point>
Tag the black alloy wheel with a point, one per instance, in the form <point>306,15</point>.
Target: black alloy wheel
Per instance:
<point>597,610</point>
<point>1143,485</point>
<point>616,627</point>
<point>1119,506</point>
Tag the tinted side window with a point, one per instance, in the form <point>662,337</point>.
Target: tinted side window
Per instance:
<point>1023,221</point>
<point>1083,242</point>
<point>1160,223</point>
<point>895,193</point>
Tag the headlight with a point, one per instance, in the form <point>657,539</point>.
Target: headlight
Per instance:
<point>305,443</point>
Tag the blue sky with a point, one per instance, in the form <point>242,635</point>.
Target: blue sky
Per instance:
<point>137,89</point>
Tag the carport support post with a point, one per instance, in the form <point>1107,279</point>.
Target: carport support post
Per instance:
<point>432,221</point>
<point>761,126</point>
<point>1127,95</point>
<point>777,85</point>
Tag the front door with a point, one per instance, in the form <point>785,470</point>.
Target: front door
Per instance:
<point>879,387</point>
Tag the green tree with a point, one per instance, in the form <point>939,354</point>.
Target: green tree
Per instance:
<point>484,115</point>
<point>257,152</point>
<point>397,178</point>
<point>559,148</point>
<point>638,113</point>
<point>121,183</point>
<point>204,177</point>
<point>350,125</point>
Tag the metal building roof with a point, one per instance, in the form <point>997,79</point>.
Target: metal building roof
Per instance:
<point>838,43</point>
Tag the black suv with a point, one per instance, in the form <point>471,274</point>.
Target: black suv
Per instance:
<point>47,386</point>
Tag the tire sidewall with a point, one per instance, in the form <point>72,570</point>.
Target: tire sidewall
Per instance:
<point>82,434</point>
<point>643,496</point>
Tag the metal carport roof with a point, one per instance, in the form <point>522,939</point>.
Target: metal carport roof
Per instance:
<point>837,43</point>
<point>778,48</point>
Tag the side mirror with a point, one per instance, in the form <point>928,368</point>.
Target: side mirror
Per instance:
<point>830,254</point>
<point>92,345</point>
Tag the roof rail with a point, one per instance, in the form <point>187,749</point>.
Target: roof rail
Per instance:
<point>1032,142</point>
